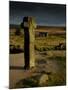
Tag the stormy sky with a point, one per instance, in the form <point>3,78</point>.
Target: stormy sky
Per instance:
<point>45,14</point>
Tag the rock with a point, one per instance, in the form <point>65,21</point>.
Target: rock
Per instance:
<point>43,80</point>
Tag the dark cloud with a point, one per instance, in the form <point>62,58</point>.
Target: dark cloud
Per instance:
<point>45,14</point>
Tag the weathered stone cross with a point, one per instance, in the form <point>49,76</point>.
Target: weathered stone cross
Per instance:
<point>29,26</point>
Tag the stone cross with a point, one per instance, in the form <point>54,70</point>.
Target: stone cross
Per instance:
<point>29,26</point>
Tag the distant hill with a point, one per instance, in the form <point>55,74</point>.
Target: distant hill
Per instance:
<point>43,27</point>
<point>11,26</point>
<point>51,30</point>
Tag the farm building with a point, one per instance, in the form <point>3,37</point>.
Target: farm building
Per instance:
<point>41,34</point>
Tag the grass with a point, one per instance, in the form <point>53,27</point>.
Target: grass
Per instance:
<point>60,59</point>
<point>28,82</point>
<point>54,79</point>
<point>41,44</point>
<point>44,44</point>
<point>58,78</point>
